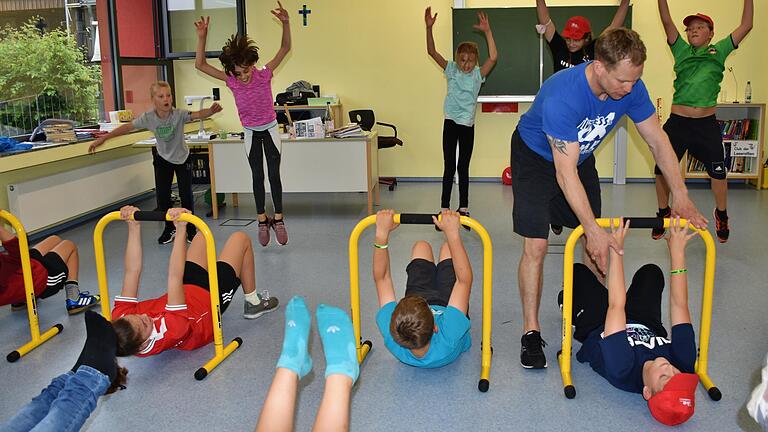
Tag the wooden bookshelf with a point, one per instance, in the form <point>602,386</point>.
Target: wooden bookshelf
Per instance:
<point>749,148</point>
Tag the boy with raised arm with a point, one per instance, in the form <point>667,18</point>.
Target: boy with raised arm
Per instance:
<point>623,338</point>
<point>692,125</point>
<point>428,327</point>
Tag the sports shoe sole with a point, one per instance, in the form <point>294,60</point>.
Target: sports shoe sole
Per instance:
<point>534,367</point>
<point>81,308</point>
<point>265,311</point>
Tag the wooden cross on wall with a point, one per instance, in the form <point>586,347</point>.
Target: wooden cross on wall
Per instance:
<point>304,12</point>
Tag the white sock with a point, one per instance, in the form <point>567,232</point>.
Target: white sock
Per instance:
<point>253,298</point>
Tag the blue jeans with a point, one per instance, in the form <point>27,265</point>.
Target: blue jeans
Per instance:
<point>62,406</point>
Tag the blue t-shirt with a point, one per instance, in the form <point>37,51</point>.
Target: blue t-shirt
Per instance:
<point>619,358</point>
<point>461,99</point>
<point>565,108</point>
<point>452,337</point>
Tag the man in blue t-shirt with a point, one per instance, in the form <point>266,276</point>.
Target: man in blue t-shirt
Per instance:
<point>554,179</point>
<point>428,327</point>
<point>622,336</point>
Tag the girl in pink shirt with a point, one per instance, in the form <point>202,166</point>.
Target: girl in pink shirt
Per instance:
<point>253,96</point>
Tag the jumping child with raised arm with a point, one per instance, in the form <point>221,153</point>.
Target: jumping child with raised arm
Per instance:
<point>170,155</point>
<point>429,326</point>
<point>622,335</point>
<point>252,89</point>
<point>181,318</point>
<point>692,125</point>
<point>464,78</point>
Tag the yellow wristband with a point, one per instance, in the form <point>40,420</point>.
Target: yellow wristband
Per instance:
<point>378,246</point>
<point>679,271</point>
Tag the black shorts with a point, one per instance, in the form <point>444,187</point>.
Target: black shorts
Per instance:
<point>643,304</point>
<point>702,138</point>
<point>538,199</point>
<point>57,271</point>
<point>194,274</point>
<point>432,282</point>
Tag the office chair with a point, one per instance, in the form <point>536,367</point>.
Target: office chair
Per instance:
<point>366,119</point>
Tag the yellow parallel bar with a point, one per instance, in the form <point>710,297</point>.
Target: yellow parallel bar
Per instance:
<point>210,246</point>
<point>354,290</point>
<point>29,291</point>
<point>354,281</point>
<point>706,306</point>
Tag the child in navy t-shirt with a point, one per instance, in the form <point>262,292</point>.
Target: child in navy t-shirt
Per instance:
<point>622,335</point>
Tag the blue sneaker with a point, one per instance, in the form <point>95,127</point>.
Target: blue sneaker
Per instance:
<point>84,302</point>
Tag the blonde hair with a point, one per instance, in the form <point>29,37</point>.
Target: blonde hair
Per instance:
<point>468,48</point>
<point>156,85</point>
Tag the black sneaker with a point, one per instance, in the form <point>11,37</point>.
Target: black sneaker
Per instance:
<point>191,231</point>
<point>464,213</point>
<point>658,233</point>
<point>167,236</point>
<point>721,225</point>
<point>532,351</point>
<point>556,229</point>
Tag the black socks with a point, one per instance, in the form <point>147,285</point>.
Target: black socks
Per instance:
<point>100,347</point>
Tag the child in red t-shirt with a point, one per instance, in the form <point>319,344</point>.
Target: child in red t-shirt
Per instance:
<point>54,264</point>
<point>181,318</point>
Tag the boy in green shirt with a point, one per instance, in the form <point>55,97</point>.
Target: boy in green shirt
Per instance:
<point>692,125</point>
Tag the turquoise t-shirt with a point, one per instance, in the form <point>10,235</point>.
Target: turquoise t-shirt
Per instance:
<point>461,99</point>
<point>452,337</point>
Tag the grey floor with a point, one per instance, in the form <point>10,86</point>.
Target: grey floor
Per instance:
<point>163,395</point>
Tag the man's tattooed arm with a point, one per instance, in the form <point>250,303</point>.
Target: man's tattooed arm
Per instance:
<point>557,144</point>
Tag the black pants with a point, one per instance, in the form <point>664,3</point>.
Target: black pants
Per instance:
<point>261,146</point>
<point>643,305</point>
<point>164,172</point>
<point>465,135</point>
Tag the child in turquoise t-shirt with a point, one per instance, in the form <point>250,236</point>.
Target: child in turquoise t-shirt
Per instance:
<point>464,80</point>
<point>428,327</point>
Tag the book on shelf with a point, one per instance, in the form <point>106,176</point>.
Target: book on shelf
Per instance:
<point>744,129</point>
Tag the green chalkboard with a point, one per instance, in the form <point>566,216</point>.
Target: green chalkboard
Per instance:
<point>517,69</point>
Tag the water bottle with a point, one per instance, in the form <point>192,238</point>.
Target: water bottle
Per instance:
<point>328,118</point>
<point>748,93</point>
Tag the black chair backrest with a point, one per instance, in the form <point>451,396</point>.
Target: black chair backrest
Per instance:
<point>364,118</point>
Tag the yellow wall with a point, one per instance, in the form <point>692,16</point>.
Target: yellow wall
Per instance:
<point>373,54</point>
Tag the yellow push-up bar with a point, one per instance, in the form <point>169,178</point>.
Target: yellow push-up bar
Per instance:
<point>564,357</point>
<point>29,290</point>
<point>426,219</point>
<point>222,351</point>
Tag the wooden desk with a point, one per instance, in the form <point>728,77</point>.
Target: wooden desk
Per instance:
<point>307,165</point>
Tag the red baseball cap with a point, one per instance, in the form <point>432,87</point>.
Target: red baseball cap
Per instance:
<point>700,16</point>
<point>676,402</point>
<point>576,27</point>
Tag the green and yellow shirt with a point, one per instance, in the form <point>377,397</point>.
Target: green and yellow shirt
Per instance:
<point>699,71</point>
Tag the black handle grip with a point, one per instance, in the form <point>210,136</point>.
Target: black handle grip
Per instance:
<point>416,219</point>
<point>156,216</point>
<point>645,222</point>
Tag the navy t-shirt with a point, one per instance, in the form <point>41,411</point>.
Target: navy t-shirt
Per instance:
<point>619,358</point>
<point>565,108</point>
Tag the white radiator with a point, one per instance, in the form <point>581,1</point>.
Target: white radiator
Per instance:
<point>49,200</point>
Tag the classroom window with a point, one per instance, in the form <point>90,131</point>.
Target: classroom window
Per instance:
<point>39,83</point>
<point>227,18</point>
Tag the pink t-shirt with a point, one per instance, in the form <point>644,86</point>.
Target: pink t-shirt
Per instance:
<point>254,98</point>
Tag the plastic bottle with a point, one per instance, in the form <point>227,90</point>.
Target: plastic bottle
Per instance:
<point>748,93</point>
<point>328,118</point>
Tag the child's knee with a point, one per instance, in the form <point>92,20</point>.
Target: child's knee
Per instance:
<point>54,239</point>
<point>422,249</point>
<point>445,252</point>
<point>241,238</point>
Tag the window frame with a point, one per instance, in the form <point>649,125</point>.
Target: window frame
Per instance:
<point>165,30</point>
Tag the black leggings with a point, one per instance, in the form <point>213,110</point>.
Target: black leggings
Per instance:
<point>466,138</point>
<point>643,305</point>
<point>262,145</point>
<point>164,172</point>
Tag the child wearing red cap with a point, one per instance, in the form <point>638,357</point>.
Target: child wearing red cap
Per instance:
<point>574,45</point>
<point>692,125</point>
<point>623,338</point>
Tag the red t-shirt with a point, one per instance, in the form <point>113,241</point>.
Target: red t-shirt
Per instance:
<point>11,277</point>
<point>184,327</point>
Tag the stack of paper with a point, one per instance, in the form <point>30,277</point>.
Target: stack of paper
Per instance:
<point>59,132</point>
<point>351,130</point>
